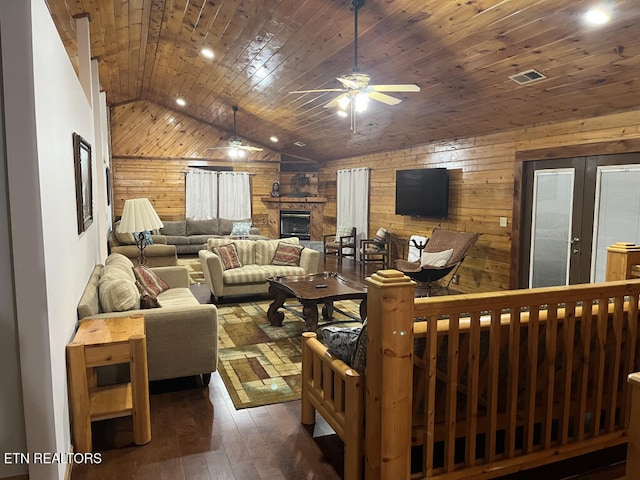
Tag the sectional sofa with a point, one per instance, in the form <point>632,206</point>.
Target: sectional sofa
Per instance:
<point>190,236</point>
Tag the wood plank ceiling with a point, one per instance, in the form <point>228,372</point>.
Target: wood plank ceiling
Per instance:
<point>460,53</point>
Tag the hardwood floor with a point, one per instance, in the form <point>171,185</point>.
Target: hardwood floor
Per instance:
<point>198,434</point>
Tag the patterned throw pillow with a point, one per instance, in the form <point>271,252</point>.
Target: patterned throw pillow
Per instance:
<point>241,229</point>
<point>149,283</point>
<point>341,342</point>
<point>343,232</point>
<point>287,254</point>
<point>435,259</point>
<point>229,256</point>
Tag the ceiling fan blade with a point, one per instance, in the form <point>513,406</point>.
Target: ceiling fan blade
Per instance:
<point>320,90</point>
<point>334,102</point>
<point>250,149</point>
<point>395,88</point>
<point>381,97</point>
<point>216,148</point>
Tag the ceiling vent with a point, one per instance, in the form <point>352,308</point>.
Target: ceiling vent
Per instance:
<point>299,144</point>
<point>527,76</point>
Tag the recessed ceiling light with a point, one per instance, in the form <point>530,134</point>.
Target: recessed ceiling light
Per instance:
<point>207,53</point>
<point>274,139</point>
<point>181,102</point>
<point>597,16</point>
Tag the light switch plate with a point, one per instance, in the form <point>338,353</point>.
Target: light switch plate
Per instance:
<point>503,221</point>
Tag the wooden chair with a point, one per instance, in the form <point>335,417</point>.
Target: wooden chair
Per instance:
<point>376,250</point>
<point>336,243</point>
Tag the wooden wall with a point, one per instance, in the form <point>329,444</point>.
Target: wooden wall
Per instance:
<point>152,148</point>
<point>484,176</point>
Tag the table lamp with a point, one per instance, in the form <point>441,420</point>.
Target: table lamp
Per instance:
<point>139,216</point>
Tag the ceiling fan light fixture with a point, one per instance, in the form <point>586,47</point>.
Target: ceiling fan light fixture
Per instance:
<point>361,102</point>
<point>343,102</point>
<point>342,114</point>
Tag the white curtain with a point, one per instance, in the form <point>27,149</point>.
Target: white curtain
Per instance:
<point>235,196</point>
<point>353,201</point>
<point>201,201</point>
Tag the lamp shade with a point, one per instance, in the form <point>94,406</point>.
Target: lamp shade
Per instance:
<point>138,215</point>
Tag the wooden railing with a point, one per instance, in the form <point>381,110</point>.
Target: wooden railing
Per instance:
<point>481,385</point>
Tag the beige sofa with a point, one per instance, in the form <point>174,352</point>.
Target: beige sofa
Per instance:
<point>255,257</point>
<point>158,255</point>
<point>190,236</point>
<point>182,334</point>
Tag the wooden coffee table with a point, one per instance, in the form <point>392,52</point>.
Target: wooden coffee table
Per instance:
<point>311,290</point>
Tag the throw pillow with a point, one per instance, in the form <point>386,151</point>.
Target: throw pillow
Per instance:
<point>343,232</point>
<point>359,359</point>
<point>287,254</point>
<point>118,296</point>
<point>241,229</point>
<point>149,301</point>
<point>381,237</point>
<point>341,342</point>
<point>147,237</point>
<point>229,256</point>
<point>435,259</point>
<point>149,282</point>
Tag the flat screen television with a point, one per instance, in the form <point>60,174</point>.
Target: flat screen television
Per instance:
<point>423,192</point>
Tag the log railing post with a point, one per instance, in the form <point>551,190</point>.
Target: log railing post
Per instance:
<point>633,447</point>
<point>621,258</point>
<point>389,372</point>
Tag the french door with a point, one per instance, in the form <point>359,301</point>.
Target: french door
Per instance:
<point>573,209</point>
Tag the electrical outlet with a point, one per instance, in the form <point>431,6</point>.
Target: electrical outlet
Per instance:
<point>455,279</point>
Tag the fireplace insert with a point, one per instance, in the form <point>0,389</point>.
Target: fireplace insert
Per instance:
<point>295,223</point>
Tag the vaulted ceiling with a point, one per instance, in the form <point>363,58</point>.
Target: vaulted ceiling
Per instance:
<point>460,53</point>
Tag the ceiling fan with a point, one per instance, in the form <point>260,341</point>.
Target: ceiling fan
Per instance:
<point>236,148</point>
<point>356,90</point>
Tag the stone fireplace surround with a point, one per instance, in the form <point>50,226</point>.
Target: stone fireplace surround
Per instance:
<point>315,205</point>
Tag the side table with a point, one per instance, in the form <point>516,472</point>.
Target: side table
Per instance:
<point>100,342</point>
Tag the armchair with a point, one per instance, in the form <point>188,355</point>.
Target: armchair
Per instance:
<point>376,250</point>
<point>337,243</point>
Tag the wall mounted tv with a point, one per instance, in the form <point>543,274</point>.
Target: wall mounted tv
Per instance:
<point>423,192</point>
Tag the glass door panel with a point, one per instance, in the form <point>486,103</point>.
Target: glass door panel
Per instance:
<point>617,213</point>
<point>552,216</point>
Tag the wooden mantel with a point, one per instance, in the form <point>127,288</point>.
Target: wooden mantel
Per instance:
<point>315,205</point>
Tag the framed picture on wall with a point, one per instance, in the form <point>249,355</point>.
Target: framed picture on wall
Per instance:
<point>84,188</point>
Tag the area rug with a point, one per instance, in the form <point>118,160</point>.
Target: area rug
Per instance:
<point>260,364</point>
<point>194,268</point>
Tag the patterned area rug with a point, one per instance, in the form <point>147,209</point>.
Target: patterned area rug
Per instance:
<point>261,364</point>
<point>194,268</point>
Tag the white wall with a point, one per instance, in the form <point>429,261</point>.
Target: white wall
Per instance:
<point>44,105</point>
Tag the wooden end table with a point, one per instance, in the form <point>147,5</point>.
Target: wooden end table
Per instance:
<point>311,290</point>
<point>100,342</point>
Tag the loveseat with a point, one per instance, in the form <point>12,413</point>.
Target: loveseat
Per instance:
<point>158,254</point>
<point>256,260</point>
<point>182,334</point>
<point>190,236</point>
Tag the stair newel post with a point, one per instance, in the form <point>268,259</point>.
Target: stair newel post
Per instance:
<point>390,306</point>
<point>633,448</point>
